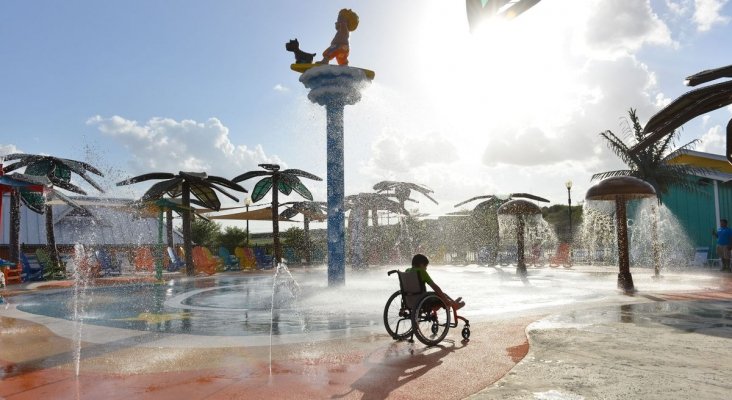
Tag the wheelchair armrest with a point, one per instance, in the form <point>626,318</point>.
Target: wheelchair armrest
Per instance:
<point>392,272</point>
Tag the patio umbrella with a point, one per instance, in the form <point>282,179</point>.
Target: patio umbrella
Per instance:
<point>262,214</point>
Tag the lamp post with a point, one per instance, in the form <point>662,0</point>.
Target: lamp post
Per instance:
<point>247,203</point>
<point>568,184</point>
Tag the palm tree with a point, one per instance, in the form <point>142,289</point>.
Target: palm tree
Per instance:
<point>183,184</point>
<point>310,210</point>
<point>285,181</point>
<point>402,192</point>
<point>488,209</point>
<point>651,164</point>
<point>58,171</point>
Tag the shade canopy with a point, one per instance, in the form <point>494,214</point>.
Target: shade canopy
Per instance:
<point>627,187</point>
<point>519,207</point>
<point>262,214</point>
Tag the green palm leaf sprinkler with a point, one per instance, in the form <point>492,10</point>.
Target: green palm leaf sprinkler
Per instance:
<point>58,171</point>
<point>204,188</point>
<point>285,181</point>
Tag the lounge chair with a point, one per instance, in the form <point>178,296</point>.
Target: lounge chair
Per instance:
<point>32,269</point>
<point>144,260</point>
<point>11,273</point>
<point>561,257</point>
<point>107,265</point>
<point>246,257</point>
<point>264,261</point>
<point>175,263</point>
<point>202,261</point>
<point>701,258</point>
<point>122,257</point>
<point>231,263</point>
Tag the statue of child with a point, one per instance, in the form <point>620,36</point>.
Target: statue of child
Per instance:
<point>347,22</point>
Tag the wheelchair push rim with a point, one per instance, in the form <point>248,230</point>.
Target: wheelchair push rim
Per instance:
<point>397,318</point>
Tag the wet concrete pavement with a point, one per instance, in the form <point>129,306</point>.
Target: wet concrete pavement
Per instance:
<point>658,350</point>
<point>672,342</point>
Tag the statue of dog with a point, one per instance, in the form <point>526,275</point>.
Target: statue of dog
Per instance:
<point>301,57</point>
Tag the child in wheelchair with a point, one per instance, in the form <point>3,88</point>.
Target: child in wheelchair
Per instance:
<point>419,265</point>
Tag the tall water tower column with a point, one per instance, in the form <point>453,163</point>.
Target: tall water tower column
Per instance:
<point>335,86</point>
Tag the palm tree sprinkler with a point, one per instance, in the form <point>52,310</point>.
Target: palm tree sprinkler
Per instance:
<point>284,181</point>
<point>359,205</point>
<point>58,171</point>
<point>651,164</point>
<point>489,207</point>
<point>402,191</point>
<point>183,184</point>
<point>311,211</point>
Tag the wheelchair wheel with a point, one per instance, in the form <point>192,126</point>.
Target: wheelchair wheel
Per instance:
<point>397,320</point>
<point>431,320</point>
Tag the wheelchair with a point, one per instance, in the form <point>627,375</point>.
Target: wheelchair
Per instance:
<point>413,311</point>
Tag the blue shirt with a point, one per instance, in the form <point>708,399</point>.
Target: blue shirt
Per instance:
<point>723,236</point>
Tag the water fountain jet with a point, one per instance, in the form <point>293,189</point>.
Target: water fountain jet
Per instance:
<point>621,189</point>
<point>520,209</point>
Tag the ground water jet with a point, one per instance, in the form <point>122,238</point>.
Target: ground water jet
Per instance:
<point>294,289</point>
<point>671,250</point>
<point>620,189</point>
<point>81,272</point>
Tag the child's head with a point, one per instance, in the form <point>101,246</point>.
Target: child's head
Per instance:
<point>349,17</point>
<point>420,261</point>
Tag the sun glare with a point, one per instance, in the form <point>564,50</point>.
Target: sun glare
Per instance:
<point>505,71</point>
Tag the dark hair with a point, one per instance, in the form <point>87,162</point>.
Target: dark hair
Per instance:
<point>723,220</point>
<point>419,259</point>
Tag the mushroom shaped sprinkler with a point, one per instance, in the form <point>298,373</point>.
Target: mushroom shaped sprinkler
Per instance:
<point>621,189</point>
<point>519,208</point>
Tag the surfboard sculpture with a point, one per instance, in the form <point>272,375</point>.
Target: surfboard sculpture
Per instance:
<point>304,67</point>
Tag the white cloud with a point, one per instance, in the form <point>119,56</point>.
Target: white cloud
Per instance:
<point>679,7</point>
<point>707,13</point>
<point>280,88</point>
<point>597,107</point>
<point>392,153</point>
<point>713,141</point>
<point>164,144</point>
<point>619,27</point>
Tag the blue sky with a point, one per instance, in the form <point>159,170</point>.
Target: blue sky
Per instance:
<point>515,107</point>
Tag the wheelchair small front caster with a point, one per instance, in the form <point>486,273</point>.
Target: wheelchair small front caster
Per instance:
<point>466,333</point>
